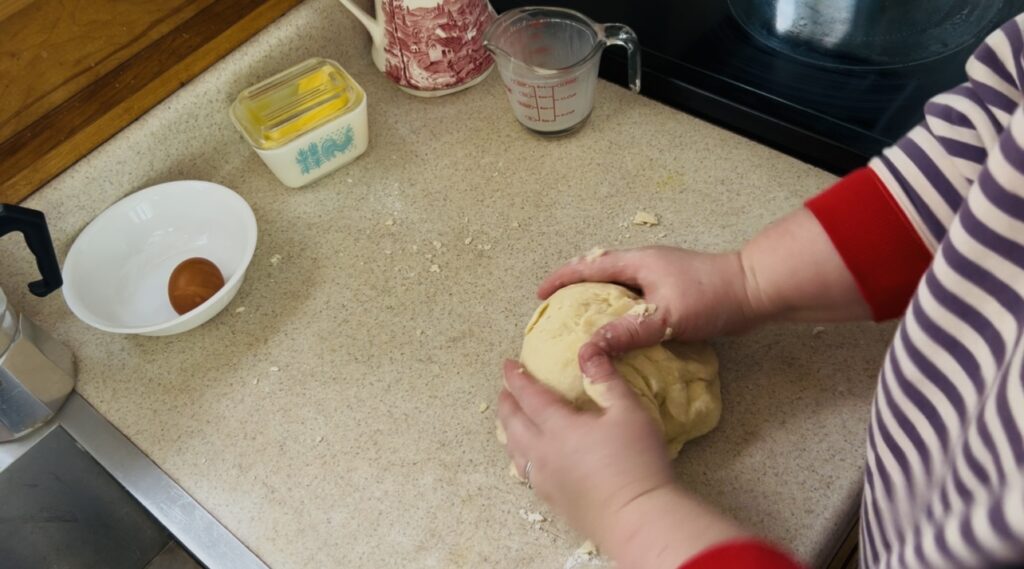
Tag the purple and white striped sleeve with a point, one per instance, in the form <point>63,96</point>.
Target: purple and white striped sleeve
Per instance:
<point>929,171</point>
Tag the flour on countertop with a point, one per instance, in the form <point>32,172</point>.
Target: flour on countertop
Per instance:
<point>645,218</point>
<point>585,556</point>
<point>532,517</point>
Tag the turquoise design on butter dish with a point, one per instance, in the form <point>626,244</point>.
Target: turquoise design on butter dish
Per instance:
<point>319,153</point>
<point>304,122</point>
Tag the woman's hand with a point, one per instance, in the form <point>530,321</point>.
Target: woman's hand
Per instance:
<point>606,472</point>
<point>697,295</point>
<point>788,271</point>
<point>586,466</point>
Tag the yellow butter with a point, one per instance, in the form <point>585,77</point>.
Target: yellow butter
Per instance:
<point>294,102</point>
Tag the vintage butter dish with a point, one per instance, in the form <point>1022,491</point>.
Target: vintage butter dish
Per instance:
<point>304,122</point>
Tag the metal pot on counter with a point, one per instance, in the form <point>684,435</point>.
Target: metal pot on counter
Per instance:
<point>37,373</point>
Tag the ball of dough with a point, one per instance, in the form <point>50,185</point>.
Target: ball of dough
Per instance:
<point>679,387</point>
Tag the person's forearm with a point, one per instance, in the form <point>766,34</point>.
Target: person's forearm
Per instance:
<point>793,272</point>
<point>665,528</point>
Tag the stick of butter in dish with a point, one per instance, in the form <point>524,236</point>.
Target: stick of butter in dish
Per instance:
<point>304,122</point>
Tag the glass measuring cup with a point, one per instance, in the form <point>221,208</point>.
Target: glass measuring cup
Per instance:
<point>548,59</point>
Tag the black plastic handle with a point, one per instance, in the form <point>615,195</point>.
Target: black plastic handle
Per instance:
<point>32,224</point>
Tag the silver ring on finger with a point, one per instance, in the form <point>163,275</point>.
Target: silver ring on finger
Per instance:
<point>527,472</point>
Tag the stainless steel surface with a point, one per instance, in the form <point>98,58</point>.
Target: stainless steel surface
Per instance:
<point>62,509</point>
<point>8,324</point>
<point>37,373</point>
<point>867,33</point>
<point>173,557</point>
<point>191,525</point>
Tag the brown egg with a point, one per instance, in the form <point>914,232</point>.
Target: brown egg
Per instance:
<point>192,283</point>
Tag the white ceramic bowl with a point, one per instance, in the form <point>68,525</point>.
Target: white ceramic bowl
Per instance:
<point>116,273</point>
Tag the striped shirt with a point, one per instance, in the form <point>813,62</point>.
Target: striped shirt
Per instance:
<point>942,242</point>
<point>933,230</point>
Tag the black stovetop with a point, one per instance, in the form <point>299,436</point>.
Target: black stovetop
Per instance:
<point>698,58</point>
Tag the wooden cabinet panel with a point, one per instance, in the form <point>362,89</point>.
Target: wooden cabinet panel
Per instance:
<point>74,72</point>
<point>51,49</point>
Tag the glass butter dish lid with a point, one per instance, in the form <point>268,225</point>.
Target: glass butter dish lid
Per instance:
<point>294,102</point>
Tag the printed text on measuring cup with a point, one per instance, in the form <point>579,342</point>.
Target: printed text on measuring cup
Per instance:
<point>544,103</point>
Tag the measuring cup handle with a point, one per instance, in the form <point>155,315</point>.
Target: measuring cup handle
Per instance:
<point>621,34</point>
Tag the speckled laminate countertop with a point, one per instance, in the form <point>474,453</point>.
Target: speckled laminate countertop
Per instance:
<point>389,362</point>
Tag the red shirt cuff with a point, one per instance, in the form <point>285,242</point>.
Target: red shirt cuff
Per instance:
<point>875,239</point>
<point>750,554</point>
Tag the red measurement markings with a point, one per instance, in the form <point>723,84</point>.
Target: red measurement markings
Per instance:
<point>536,103</point>
<point>532,97</point>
